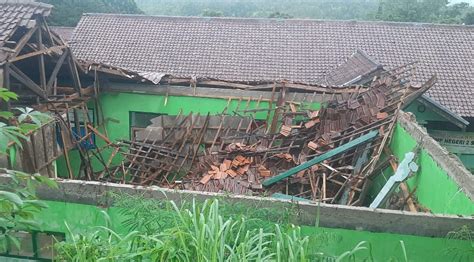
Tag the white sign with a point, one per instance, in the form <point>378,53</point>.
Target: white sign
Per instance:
<point>455,142</point>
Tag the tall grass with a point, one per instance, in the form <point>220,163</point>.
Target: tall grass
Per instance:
<point>198,233</point>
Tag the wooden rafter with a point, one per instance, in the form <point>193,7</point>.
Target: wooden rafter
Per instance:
<point>42,70</point>
<point>74,73</point>
<point>56,69</point>
<point>24,40</point>
<point>24,79</point>
<point>40,52</point>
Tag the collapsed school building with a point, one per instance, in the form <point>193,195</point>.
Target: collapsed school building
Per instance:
<point>212,107</point>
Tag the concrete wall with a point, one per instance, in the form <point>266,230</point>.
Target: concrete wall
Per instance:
<point>331,216</point>
<point>82,218</point>
<point>443,184</point>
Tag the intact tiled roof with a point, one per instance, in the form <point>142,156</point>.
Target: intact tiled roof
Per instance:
<point>64,32</point>
<point>15,14</point>
<point>239,49</point>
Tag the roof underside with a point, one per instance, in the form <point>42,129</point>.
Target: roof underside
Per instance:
<point>16,14</point>
<point>264,49</point>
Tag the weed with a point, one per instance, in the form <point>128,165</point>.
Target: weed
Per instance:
<point>193,231</point>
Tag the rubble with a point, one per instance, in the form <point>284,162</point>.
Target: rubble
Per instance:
<point>323,154</point>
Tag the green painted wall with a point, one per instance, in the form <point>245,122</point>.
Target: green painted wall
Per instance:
<point>435,190</point>
<point>385,246</point>
<point>423,116</point>
<point>468,161</point>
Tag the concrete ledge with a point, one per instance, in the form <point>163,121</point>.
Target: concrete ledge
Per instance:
<point>332,216</point>
<point>447,161</point>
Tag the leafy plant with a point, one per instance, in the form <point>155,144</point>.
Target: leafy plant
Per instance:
<point>460,252</point>
<point>196,232</point>
<point>29,115</point>
<point>19,205</point>
<point>10,134</point>
<point>6,95</point>
<point>29,120</point>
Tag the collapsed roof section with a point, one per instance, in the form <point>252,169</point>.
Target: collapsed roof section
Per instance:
<point>34,61</point>
<point>356,69</point>
<point>39,67</point>
<point>235,152</point>
<point>15,16</point>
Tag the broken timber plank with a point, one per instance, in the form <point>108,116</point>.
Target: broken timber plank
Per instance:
<point>403,185</point>
<point>358,141</point>
<point>406,167</point>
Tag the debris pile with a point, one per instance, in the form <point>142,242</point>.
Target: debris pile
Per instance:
<point>324,154</point>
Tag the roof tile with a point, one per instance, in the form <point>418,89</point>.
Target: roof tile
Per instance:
<point>238,49</point>
<point>18,13</point>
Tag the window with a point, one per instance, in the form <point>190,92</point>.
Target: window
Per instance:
<point>34,245</point>
<point>140,120</point>
<point>83,120</point>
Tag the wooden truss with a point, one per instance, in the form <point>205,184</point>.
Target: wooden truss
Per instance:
<point>41,43</point>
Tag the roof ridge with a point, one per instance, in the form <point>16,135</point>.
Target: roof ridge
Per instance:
<point>26,2</point>
<point>415,24</point>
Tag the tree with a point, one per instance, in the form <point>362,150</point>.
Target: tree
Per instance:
<point>431,11</point>
<point>212,13</point>
<point>68,12</point>
<point>280,15</point>
<point>469,18</point>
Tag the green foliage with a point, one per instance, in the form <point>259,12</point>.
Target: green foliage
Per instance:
<point>469,18</point>
<point>6,95</point>
<point>162,231</point>
<point>68,12</point>
<point>454,251</point>
<point>28,120</point>
<point>212,13</point>
<point>29,115</point>
<point>318,9</point>
<point>9,134</point>
<point>19,205</point>
<point>435,11</point>
<point>280,15</point>
<point>138,210</point>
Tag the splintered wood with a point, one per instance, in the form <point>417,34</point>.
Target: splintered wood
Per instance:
<point>237,152</point>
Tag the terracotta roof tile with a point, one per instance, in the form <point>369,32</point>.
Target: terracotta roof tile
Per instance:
<point>15,14</point>
<point>238,49</point>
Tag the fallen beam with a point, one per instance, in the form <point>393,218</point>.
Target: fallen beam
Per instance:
<point>356,142</point>
<point>406,167</point>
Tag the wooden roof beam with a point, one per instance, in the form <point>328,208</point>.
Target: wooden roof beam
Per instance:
<point>24,79</point>
<point>24,40</point>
